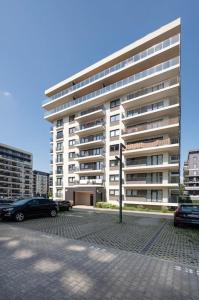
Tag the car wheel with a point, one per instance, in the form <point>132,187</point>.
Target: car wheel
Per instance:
<point>175,224</point>
<point>19,217</point>
<point>53,213</point>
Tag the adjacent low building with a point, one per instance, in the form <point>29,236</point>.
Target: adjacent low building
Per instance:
<point>191,175</point>
<point>130,97</point>
<point>40,183</point>
<point>15,173</point>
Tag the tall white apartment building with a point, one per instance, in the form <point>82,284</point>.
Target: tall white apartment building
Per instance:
<point>130,97</point>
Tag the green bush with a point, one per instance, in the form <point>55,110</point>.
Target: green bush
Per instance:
<point>105,205</point>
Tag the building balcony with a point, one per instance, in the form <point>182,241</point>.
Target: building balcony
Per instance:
<point>157,146</point>
<point>90,128</point>
<point>90,182</point>
<point>151,168</point>
<point>149,76</point>
<point>122,66</point>
<point>59,149</point>
<point>146,185</point>
<point>192,188</point>
<point>168,108</point>
<point>164,89</point>
<point>59,161</point>
<point>157,127</point>
<point>93,157</point>
<point>59,184</point>
<point>92,113</point>
<point>90,142</point>
<point>92,170</point>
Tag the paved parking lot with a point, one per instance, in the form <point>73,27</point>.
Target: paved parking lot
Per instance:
<point>151,236</point>
<point>36,265</point>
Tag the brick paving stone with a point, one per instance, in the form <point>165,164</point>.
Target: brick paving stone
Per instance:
<point>37,265</point>
<point>153,236</point>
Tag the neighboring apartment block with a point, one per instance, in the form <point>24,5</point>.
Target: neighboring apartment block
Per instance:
<point>15,173</point>
<point>130,97</point>
<point>191,175</point>
<point>40,183</point>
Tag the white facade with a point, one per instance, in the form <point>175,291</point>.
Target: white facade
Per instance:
<point>130,97</point>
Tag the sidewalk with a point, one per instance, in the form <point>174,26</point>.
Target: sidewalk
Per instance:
<point>125,212</point>
<point>34,265</point>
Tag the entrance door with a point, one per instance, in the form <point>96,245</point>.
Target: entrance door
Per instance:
<point>91,199</point>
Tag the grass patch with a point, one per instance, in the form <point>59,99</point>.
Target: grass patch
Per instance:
<point>135,207</point>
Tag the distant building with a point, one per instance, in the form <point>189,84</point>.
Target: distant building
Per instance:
<point>15,172</point>
<point>40,183</point>
<point>191,175</point>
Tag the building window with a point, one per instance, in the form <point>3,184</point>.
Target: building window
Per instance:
<point>71,179</point>
<point>115,103</point>
<point>60,123</point>
<point>71,168</point>
<point>59,170</point>
<point>71,118</point>
<point>60,157</point>
<point>71,142</point>
<point>136,193</point>
<point>114,163</point>
<point>71,130</point>
<point>71,154</point>
<point>114,177</point>
<point>114,192</point>
<point>114,148</point>
<point>115,118</point>
<point>59,181</point>
<point>59,134</point>
<point>114,133</point>
<point>59,146</point>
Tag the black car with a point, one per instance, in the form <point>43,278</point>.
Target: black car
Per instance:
<point>64,205</point>
<point>186,214</point>
<point>26,208</point>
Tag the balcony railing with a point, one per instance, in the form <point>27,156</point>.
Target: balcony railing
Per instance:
<point>89,181</point>
<point>143,181</point>
<point>119,84</point>
<point>89,154</point>
<point>90,125</point>
<point>150,89</point>
<point>93,109</point>
<point>128,62</point>
<point>90,168</point>
<point>151,107</point>
<point>59,148</point>
<point>155,143</point>
<point>152,125</point>
<point>90,139</point>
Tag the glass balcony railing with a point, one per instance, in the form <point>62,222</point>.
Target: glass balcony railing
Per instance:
<point>155,143</point>
<point>90,125</point>
<point>119,84</point>
<point>151,125</point>
<point>151,107</point>
<point>93,109</point>
<point>90,153</point>
<point>90,139</point>
<point>117,67</point>
<point>89,181</point>
<point>150,89</point>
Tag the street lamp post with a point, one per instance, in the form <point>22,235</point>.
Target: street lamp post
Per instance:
<point>120,180</point>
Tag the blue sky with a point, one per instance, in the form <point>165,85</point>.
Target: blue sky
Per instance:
<point>43,42</point>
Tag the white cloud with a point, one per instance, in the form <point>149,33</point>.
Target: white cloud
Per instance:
<point>5,94</point>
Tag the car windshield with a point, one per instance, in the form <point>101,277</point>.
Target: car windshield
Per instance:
<point>21,202</point>
<point>190,208</point>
